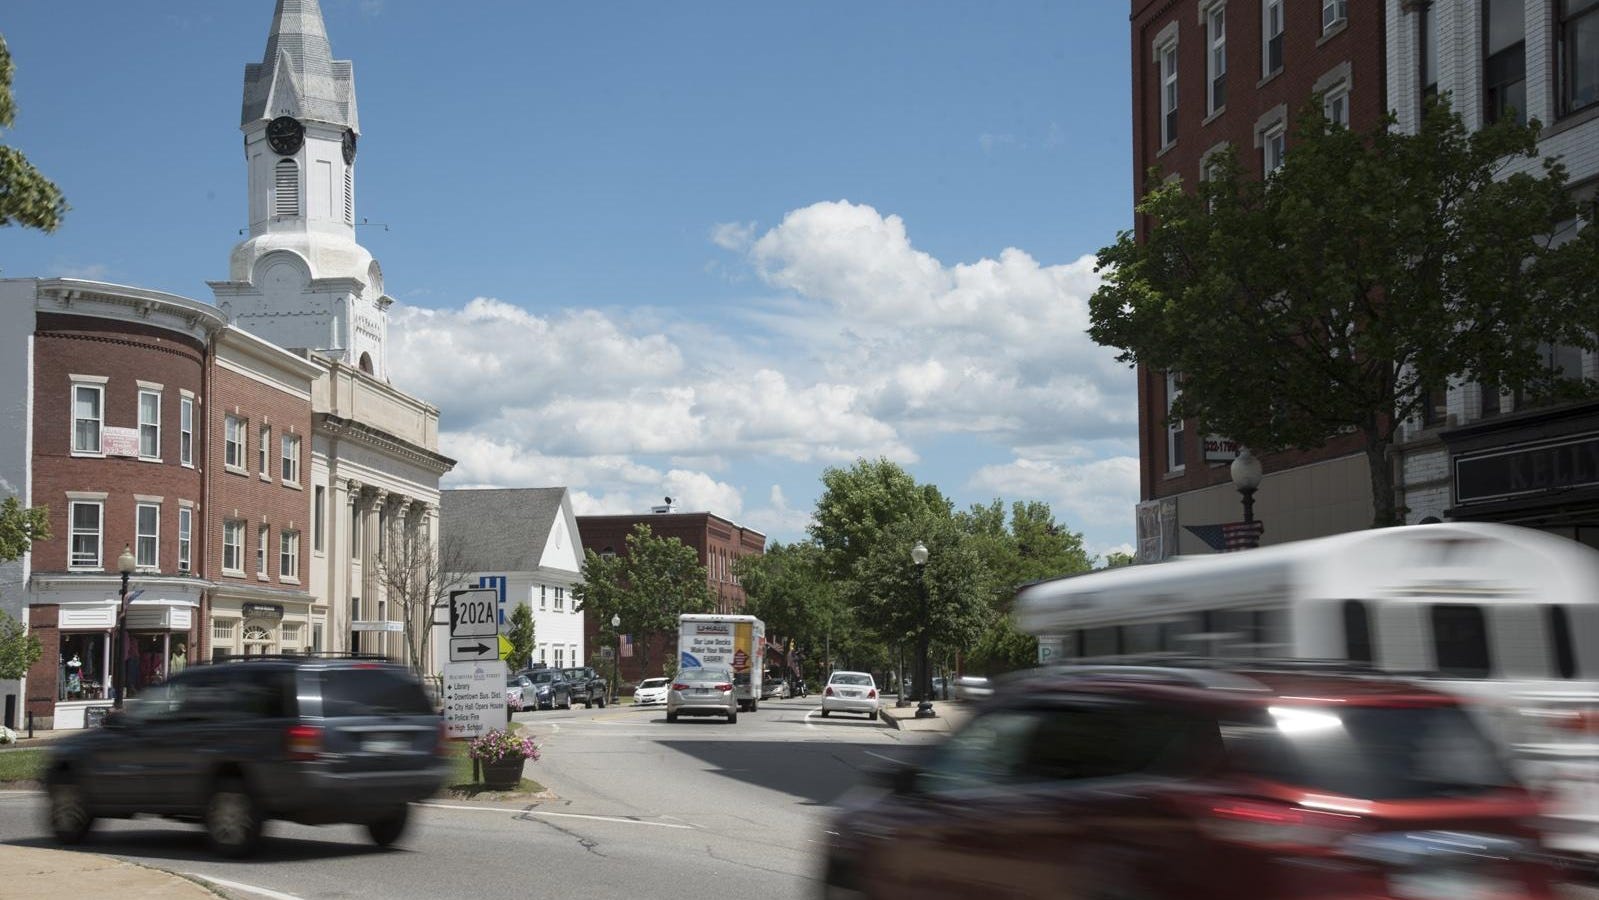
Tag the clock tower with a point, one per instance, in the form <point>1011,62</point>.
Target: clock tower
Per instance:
<point>299,279</point>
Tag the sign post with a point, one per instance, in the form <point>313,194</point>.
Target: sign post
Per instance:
<point>474,679</point>
<point>474,625</point>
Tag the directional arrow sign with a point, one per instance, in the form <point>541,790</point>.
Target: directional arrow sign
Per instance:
<point>473,649</point>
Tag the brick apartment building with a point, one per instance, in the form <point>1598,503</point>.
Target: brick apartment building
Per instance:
<point>1209,74</point>
<point>717,542</point>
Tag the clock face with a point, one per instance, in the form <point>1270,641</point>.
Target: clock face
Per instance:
<point>349,147</point>
<point>285,135</point>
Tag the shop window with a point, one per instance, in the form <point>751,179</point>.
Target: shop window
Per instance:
<point>1460,640</point>
<point>186,431</point>
<point>185,532</point>
<point>81,675</point>
<point>150,425</point>
<point>148,531</point>
<point>88,417</point>
<point>257,640</point>
<point>86,527</point>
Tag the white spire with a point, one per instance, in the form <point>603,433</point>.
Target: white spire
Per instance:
<point>297,75</point>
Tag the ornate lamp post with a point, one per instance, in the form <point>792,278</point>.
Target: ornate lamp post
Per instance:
<point>125,564</point>
<point>1247,474</point>
<point>616,664</point>
<point>924,709</point>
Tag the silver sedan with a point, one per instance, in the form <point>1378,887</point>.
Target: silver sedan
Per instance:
<point>853,692</point>
<point>702,692</point>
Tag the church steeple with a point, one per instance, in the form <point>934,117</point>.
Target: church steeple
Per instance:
<point>300,279</point>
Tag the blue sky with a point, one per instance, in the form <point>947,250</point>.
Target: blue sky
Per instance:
<point>701,249</point>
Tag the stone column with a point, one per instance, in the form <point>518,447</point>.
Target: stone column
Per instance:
<point>344,561</point>
<point>399,556</point>
<point>371,562</point>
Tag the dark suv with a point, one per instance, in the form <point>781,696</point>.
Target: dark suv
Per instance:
<point>307,739</point>
<point>1198,781</point>
<point>586,685</point>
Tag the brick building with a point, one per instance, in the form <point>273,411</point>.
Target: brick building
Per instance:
<point>1209,74</point>
<point>718,543</point>
<point>110,385</point>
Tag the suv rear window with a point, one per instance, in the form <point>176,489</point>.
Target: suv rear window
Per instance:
<point>1373,753</point>
<point>372,692</point>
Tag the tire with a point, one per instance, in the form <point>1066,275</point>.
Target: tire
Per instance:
<point>872,715</point>
<point>671,717</point>
<point>602,701</point>
<point>732,717</point>
<point>233,819</point>
<point>588,703</point>
<point>68,812</point>
<point>385,831</point>
<point>824,713</point>
<point>755,705</point>
<point>566,702</point>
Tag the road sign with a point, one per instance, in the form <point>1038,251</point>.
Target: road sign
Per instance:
<point>473,613</point>
<point>474,699</point>
<point>506,649</point>
<point>607,653</point>
<point>473,649</point>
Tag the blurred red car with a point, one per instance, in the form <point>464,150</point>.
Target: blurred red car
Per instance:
<point>1199,780</point>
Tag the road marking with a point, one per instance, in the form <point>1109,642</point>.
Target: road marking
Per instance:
<point>540,812</point>
<point>234,885</point>
<point>882,757</point>
<point>21,793</point>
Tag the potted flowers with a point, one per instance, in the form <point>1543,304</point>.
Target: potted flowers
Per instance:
<point>501,754</point>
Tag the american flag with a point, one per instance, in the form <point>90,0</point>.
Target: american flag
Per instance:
<point>627,645</point>
<point>1229,536</point>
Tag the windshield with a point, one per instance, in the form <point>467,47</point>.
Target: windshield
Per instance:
<point>543,677</point>
<point>1376,753</point>
<point>851,678</point>
<point>652,683</point>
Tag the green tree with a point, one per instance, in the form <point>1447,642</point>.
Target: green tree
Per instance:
<point>857,504</point>
<point>657,580</point>
<point>787,588</point>
<point>1117,559</point>
<point>1333,296</point>
<point>27,198</point>
<point>521,636</point>
<point>957,584</point>
<point>20,526</point>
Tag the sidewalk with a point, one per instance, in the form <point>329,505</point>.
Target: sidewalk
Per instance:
<point>36,872</point>
<point>40,738</point>
<point>951,716</point>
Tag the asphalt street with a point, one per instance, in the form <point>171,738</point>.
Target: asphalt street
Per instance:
<point>646,809</point>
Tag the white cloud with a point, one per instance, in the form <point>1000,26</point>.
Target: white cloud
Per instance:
<point>734,236</point>
<point>1091,495</point>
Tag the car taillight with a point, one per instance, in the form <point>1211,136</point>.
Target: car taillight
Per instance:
<point>724,687</point>
<point>828,692</point>
<point>679,686</point>
<point>303,742</point>
<point>1266,824</point>
<point>871,694</point>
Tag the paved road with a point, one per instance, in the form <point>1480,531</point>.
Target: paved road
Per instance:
<point>646,809</point>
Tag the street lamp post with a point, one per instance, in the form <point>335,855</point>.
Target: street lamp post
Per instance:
<point>616,664</point>
<point>1246,473</point>
<point>125,565</point>
<point>924,709</point>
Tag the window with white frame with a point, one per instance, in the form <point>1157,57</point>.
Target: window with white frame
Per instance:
<point>1174,425</point>
<point>185,537</point>
<point>544,597</point>
<point>1216,57</point>
<point>560,656</point>
<point>1333,14</point>
<point>262,451</point>
<point>1274,148</point>
<point>233,546</point>
<point>543,652</point>
<point>571,651</point>
<point>262,536</point>
<point>560,598</point>
<point>1271,37</point>
<point>86,527</point>
<point>233,442</point>
<point>150,424</point>
<point>289,554</point>
<point>291,458</point>
<point>291,633</point>
<point>1504,60</point>
<point>222,630</point>
<point>1168,92</point>
<point>186,431</point>
<point>1335,105</point>
<point>88,417</point>
<point>147,531</point>
<point>1577,27</point>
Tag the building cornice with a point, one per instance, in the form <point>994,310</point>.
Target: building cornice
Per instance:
<point>74,296</point>
<point>378,439</point>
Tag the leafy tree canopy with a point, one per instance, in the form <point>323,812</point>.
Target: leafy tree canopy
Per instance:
<point>1029,547</point>
<point>1333,295</point>
<point>958,584</point>
<point>27,198</point>
<point>857,505</point>
<point>19,527</point>
<point>787,588</point>
<point>522,636</point>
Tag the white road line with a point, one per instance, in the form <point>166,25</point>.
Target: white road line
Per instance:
<point>540,812</point>
<point>882,757</point>
<point>236,886</point>
<point>21,793</point>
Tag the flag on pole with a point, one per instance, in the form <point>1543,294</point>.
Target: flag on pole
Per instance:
<point>627,645</point>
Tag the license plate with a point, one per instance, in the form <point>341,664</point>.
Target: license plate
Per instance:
<point>851,693</point>
<point>702,690</point>
<point>386,744</point>
<point>1447,884</point>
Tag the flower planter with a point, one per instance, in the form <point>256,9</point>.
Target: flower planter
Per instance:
<point>507,773</point>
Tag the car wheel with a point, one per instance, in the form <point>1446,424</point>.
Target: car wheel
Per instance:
<point>386,830</point>
<point>872,715</point>
<point>70,820</point>
<point>602,701</point>
<point>671,717</point>
<point>732,717</point>
<point>588,704</point>
<point>232,819</point>
<point>566,702</point>
<point>824,713</point>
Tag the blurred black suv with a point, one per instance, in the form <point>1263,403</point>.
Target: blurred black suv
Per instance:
<point>314,740</point>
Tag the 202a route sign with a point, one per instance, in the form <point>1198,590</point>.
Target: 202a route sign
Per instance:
<point>472,613</point>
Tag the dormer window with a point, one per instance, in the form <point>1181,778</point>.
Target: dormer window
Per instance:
<point>286,193</point>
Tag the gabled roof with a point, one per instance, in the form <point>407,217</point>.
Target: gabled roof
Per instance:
<point>297,75</point>
<point>500,530</point>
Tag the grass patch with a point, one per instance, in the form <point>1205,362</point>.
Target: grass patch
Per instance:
<point>21,765</point>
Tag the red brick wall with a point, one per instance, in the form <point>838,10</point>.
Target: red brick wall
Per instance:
<point>247,496</point>
<point>44,624</point>
<point>1360,43</point>
<point>125,353</point>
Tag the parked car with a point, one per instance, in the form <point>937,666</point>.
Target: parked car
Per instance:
<point>520,693</point>
<point>586,686</point>
<point>231,745</point>
<point>773,687</point>
<point>852,692</point>
<point>973,687</point>
<point>702,692</point>
<point>550,689</point>
<point>651,691</point>
<point>1199,781</point>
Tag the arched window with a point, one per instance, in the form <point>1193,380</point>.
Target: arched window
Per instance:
<point>366,363</point>
<point>286,191</point>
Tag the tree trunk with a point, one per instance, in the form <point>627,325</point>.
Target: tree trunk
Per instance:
<point>1384,510</point>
